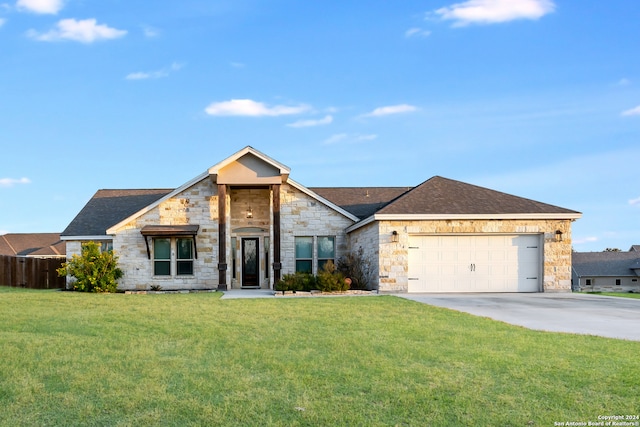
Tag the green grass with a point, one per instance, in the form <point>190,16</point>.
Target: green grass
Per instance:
<point>192,359</point>
<point>617,294</point>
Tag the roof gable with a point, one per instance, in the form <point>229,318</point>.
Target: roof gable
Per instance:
<point>249,167</point>
<point>447,197</point>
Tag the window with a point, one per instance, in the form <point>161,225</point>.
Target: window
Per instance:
<point>161,257</point>
<point>304,254</point>
<point>588,282</point>
<point>618,282</point>
<point>326,251</point>
<point>184,262</point>
<point>312,253</point>
<point>106,246</point>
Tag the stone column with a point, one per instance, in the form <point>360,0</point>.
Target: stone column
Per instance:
<point>277,264</point>
<point>222,237</point>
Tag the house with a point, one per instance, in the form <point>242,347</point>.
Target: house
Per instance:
<point>607,271</point>
<point>34,245</point>
<point>244,223</point>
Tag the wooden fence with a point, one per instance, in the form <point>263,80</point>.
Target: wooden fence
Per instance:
<point>35,273</point>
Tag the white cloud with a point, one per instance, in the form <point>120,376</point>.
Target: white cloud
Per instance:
<point>624,82</point>
<point>334,139</point>
<point>633,202</point>
<point>494,11</point>
<point>632,112</point>
<point>164,72</point>
<point>237,64</point>
<point>150,31</point>
<point>10,182</point>
<point>584,240</point>
<point>391,109</point>
<point>417,32</point>
<point>248,107</point>
<point>369,137</point>
<point>349,139</point>
<point>84,31</point>
<point>308,123</point>
<point>2,21</point>
<point>40,6</point>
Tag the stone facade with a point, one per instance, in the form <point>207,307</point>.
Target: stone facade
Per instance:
<point>247,181</point>
<point>301,215</point>
<point>304,216</point>
<point>392,259</point>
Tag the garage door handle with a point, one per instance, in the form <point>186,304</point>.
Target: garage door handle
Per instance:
<point>472,267</point>
<point>414,278</point>
<point>532,278</point>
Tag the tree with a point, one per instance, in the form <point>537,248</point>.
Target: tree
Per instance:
<point>93,270</point>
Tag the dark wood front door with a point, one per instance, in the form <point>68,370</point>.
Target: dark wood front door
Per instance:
<point>250,266</point>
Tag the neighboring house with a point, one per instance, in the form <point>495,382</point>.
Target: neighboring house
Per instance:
<point>244,223</point>
<point>35,245</point>
<point>607,271</point>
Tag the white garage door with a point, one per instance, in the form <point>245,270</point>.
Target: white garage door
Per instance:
<point>474,263</point>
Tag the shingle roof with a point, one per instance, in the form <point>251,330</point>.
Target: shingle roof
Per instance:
<point>605,263</point>
<point>32,244</point>
<point>108,207</point>
<point>360,201</point>
<point>444,196</point>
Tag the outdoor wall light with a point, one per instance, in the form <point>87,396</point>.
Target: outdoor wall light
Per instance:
<point>395,237</point>
<point>249,213</point>
<point>558,236</point>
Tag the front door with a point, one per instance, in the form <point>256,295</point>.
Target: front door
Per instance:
<point>250,263</point>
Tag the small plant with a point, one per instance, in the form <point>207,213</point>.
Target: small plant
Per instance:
<point>357,267</point>
<point>93,271</point>
<point>156,288</point>
<point>330,280</point>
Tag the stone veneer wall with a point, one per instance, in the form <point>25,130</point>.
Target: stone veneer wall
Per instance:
<point>302,215</point>
<point>368,238</point>
<point>196,205</point>
<point>393,258</point>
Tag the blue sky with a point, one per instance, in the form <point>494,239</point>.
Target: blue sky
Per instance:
<point>536,98</point>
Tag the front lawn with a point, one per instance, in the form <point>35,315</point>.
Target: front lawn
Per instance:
<point>68,358</point>
<point>617,294</point>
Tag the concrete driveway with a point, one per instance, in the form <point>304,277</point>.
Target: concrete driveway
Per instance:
<point>611,317</point>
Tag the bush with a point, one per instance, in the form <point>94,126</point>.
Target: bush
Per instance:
<point>94,271</point>
<point>330,280</point>
<point>296,282</point>
<point>355,266</point>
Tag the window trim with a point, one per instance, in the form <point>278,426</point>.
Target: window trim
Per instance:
<point>306,259</point>
<point>163,261</point>
<point>315,260</point>
<point>325,260</point>
<point>184,260</point>
<point>173,259</point>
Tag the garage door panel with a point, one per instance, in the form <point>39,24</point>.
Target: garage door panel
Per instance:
<point>474,263</point>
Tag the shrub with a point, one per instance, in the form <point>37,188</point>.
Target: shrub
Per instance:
<point>93,271</point>
<point>330,280</point>
<point>357,267</point>
<point>296,282</point>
